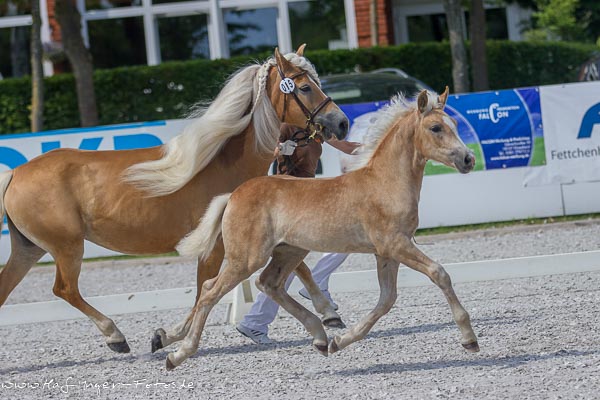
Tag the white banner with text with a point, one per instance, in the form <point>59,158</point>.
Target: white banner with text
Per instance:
<point>571,121</point>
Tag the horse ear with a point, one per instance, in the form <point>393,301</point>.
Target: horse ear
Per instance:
<point>443,98</point>
<point>422,102</point>
<point>282,62</point>
<point>300,50</point>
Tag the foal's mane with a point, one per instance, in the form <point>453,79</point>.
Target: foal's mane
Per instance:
<point>241,101</point>
<point>399,107</point>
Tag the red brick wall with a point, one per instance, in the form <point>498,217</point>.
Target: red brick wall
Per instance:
<point>54,28</point>
<point>55,35</point>
<point>384,22</point>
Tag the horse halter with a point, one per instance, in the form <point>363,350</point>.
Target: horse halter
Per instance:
<point>288,83</point>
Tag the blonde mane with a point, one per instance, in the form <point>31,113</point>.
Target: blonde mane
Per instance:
<point>239,103</point>
<point>398,107</point>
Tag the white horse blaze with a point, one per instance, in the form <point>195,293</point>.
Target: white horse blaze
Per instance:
<point>450,122</point>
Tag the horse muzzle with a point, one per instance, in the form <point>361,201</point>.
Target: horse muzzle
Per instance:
<point>334,124</point>
<point>465,161</point>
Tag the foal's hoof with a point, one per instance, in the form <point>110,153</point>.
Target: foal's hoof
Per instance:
<point>333,347</point>
<point>472,347</point>
<point>334,323</point>
<point>170,366</point>
<point>157,340</point>
<point>120,347</point>
<point>321,348</point>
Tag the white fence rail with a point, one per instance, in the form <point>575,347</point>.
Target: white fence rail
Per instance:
<point>240,299</point>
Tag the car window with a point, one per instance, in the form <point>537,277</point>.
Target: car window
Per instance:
<point>344,93</point>
<point>408,90</point>
<point>357,90</point>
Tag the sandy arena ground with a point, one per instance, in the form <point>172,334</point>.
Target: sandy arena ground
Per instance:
<point>539,337</point>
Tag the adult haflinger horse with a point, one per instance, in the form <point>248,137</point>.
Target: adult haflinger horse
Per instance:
<point>59,199</point>
<point>373,209</point>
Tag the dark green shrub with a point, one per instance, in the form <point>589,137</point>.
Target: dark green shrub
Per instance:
<point>166,91</point>
<point>518,64</point>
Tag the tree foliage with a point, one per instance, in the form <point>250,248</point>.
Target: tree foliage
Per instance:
<point>555,20</point>
<point>563,20</point>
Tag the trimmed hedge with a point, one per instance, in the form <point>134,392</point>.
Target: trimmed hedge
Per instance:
<point>166,91</point>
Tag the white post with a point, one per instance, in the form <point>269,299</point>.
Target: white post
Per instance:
<point>515,16</point>
<point>46,36</point>
<point>400,26</point>
<point>242,301</point>
<point>217,40</point>
<point>84,27</point>
<point>284,33</point>
<point>151,34</point>
<point>351,24</point>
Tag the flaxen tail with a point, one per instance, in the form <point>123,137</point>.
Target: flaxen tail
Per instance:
<point>5,178</point>
<point>201,241</point>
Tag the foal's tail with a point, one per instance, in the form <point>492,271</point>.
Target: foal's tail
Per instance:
<point>201,241</point>
<point>5,178</point>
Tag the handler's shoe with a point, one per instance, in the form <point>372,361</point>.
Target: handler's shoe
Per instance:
<point>256,336</point>
<point>302,292</point>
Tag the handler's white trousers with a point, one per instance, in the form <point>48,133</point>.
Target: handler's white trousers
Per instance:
<point>264,310</point>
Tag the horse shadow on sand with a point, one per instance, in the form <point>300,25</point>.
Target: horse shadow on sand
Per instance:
<point>68,363</point>
<point>505,362</point>
<point>387,368</point>
<point>399,331</point>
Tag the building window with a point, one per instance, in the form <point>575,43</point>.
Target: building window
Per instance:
<point>321,24</point>
<point>181,29</point>
<point>14,51</point>
<point>167,1</point>
<point>251,31</point>
<point>13,8</point>
<point>183,38</point>
<point>427,28</point>
<point>433,27</point>
<point>104,4</point>
<point>117,42</point>
<point>496,23</point>
<point>14,40</point>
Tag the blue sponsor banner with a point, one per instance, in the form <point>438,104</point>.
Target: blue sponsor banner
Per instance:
<point>505,123</point>
<point>19,148</point>
<point>353,111</point>
<point>504,128</point>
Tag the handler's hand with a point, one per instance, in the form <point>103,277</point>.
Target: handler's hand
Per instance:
<point>344,146</point>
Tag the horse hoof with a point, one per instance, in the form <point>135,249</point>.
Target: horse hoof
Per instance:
<point>333,347</point>
<point>170,365</point>
<point>157,340</point>
<point>334,323</point>
<point>120,347</point>
<point>472,347</point>
<point>321,348</point>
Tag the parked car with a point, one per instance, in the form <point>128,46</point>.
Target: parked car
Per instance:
<point>399,72</point>
<point>378,85</point>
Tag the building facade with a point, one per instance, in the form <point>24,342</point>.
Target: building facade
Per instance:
<point>133,32</point>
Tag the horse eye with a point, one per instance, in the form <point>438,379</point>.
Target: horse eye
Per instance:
<point>436,129</point>
<point>305,88</point>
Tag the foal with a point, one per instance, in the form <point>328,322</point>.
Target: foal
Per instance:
<point>373,209</point>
